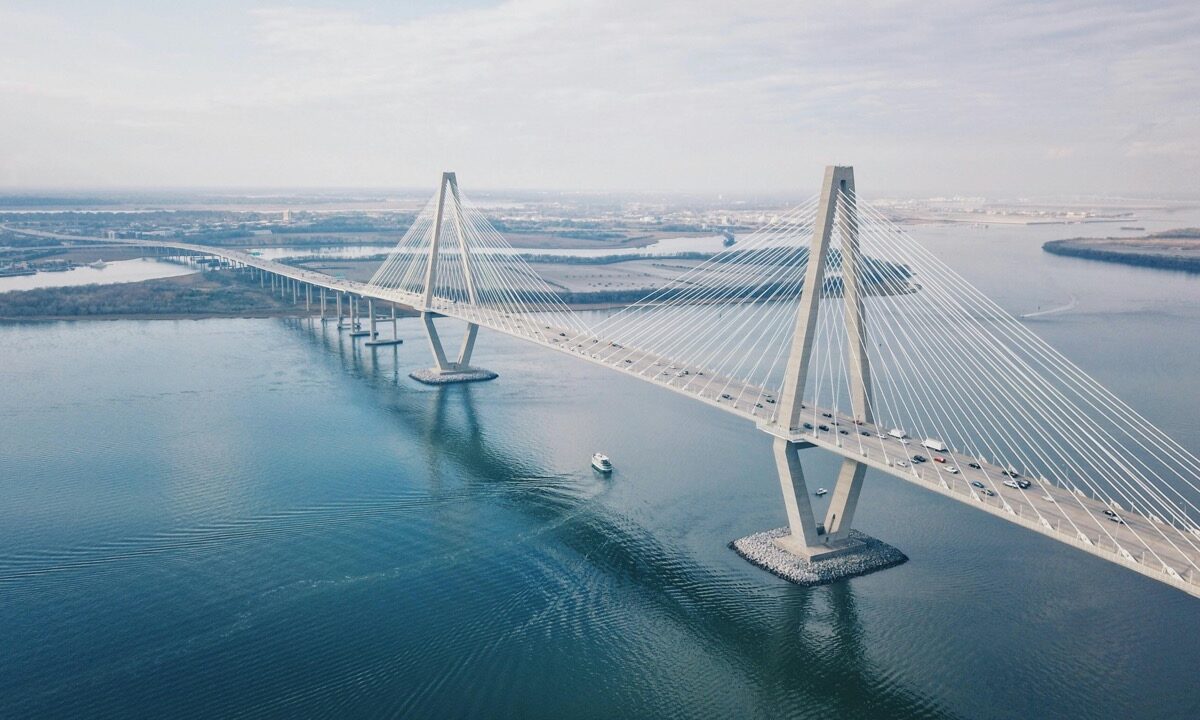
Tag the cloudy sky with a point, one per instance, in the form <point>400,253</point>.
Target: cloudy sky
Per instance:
<point>997,98</point>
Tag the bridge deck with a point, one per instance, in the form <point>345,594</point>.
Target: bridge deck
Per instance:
<point>1146,545</point>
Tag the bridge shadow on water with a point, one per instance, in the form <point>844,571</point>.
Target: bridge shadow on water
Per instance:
<point>804,650</point>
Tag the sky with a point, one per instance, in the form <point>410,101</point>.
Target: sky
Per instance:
<point>1002,99</point>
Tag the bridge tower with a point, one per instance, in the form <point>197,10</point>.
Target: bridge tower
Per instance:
<point>807,538</point>
<point>445,370</point>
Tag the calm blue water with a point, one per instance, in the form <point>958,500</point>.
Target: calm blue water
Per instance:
<point>115,272</point>
<point>255,518</point>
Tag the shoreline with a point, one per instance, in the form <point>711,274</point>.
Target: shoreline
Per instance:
<point>157,316</point>
<point>1131,252</point>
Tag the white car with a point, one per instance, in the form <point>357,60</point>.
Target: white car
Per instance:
<point>952,470</point>
<point>901,463</point>
<point>1011,483</point>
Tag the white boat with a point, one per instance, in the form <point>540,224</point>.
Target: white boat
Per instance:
<point>99,265</point>
<point>601,462</point>
<point>820,492</point>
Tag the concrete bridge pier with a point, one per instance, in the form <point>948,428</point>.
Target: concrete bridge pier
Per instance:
<point>444,370</point>
<point>375,341</point>
<point>806,537</point>
<point>356,322</point>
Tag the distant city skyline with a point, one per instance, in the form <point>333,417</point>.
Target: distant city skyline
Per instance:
<point>1004,99</point>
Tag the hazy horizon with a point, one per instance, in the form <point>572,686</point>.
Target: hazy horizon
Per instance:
<point>1003,100</point>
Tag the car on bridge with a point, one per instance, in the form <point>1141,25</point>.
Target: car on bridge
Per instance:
<point>977,484</point>
<point>975,465</point>
<point>1011,483</point>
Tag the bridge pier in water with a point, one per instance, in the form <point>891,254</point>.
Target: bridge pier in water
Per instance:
<point>807,552</point>
<point>356,330</point>
<point>375,341</point>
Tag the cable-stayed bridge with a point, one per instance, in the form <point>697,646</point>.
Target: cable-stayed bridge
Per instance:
<point>892,361</point>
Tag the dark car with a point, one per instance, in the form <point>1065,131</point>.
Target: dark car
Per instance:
<point>823,428</point>
<point>844,432</point>
<point>1023,484</point>
<point>828,415</point>
<point>989,493</point>
<point>864,432</point>
<point>1110,513</point>
<point>808,426</point>
<point>977,466</point>
<point>726,396</point>
<point>919,458</point>
<point>977,484</point>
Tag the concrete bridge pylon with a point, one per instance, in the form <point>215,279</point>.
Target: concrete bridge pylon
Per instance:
<point>444,370</point>
<point>808,551</point>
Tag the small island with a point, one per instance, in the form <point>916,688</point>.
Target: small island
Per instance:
<point>1169,250</point>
